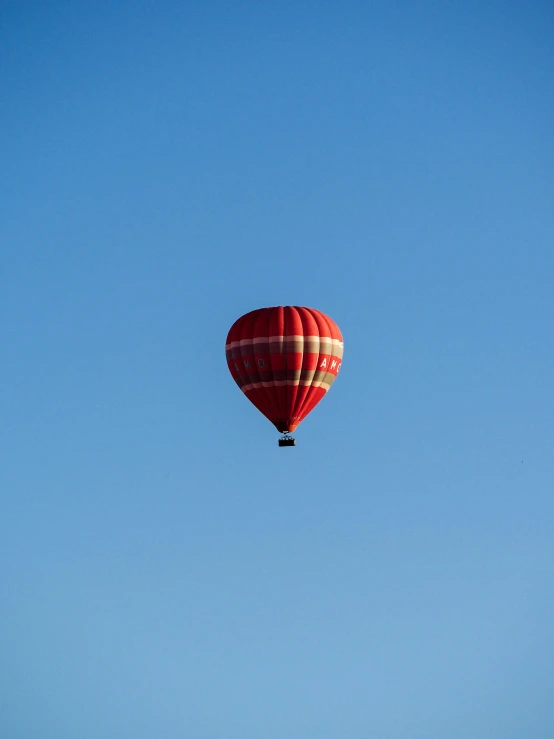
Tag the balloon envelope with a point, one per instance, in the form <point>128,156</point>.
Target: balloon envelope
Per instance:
<point>284,359</point>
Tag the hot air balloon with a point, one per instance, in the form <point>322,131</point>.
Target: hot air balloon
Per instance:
<point>284,359</point>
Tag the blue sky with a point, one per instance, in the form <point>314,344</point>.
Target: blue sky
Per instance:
<point>166,570</point>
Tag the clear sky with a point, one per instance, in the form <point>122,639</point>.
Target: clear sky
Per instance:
<point>165,569</point>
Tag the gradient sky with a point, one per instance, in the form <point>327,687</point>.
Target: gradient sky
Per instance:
<point>165,569</point>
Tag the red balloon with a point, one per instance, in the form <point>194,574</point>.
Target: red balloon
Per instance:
<point>284,359</point>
